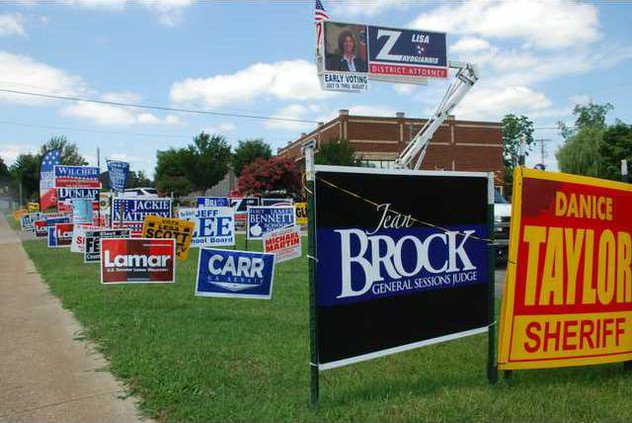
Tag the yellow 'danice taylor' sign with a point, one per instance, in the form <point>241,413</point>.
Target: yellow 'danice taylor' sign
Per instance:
<point>165,227</point>
<point>568,294</point>
<point>301,213</point>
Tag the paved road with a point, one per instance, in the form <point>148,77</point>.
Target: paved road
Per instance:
<point>500,280</point>
<point>45,375</point>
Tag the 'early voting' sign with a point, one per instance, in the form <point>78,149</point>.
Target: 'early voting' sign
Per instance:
<point>385,280</point>
<point>262,219</point>
<point>214,226</point>
<point>237,274</point>
<point>568,296</point>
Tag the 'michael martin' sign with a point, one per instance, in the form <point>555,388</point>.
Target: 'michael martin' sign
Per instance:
<point>402,260</point>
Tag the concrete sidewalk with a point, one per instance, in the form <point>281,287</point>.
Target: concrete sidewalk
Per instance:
<point>45,375</point>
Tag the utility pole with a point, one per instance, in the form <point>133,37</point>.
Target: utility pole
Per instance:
<point>543,152</point>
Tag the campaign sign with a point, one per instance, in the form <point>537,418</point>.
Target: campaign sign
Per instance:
<point>134,210</point>
<point>567,300</point>
<point>77,176</point>
<point>79,237</point>
<point>167,227</point>
<point>213,202</point>
<point>117,173</point>
<point>277,202</point>
<point>33,207</point>
<point>284,243</point>
<point>46,220</point>
<point>263,219</point>
<point>398,271</point>
<point>213,226</point>
<point>60,235</point>
<point>137,260</point>
<point>82,211</point>
<point>236,274</point>
<point>26,221</point>
<point>65,197</point>
<point>301,213</point>
<point>92,249</point>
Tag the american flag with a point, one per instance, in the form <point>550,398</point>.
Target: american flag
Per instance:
<point>319,15</point>
<point>50,159</point>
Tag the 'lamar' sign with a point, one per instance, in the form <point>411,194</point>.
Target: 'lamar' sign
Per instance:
<point>213,226</point>
<point>60,235</point>
<point>92,248</point>
<point>237,274</point>
<point>568,296</point>
<point>386,281</point>
<point>137,260</point>
<point>263,219</point>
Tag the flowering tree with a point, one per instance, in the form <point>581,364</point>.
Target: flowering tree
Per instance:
<point>273,174</point>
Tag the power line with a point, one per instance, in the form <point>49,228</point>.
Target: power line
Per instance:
<point>156,107</point>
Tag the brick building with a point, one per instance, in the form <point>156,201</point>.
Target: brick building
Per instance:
<point>457,145</point>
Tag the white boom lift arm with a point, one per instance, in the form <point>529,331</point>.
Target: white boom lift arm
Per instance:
<point>465,78</point>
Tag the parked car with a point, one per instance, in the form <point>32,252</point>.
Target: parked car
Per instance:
<point>140,192</point>
<point>502,220</point>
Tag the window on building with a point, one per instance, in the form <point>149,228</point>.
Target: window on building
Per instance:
<point>379,164</point>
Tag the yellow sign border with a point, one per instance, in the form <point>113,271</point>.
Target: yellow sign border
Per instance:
<point>507,305</point>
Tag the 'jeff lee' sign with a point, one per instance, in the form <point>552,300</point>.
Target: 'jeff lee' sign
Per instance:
<point>385,280</point>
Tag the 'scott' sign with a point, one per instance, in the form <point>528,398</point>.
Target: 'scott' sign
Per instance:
<point>392,272</point>
<point>137,260</point>
<point>568,296</point>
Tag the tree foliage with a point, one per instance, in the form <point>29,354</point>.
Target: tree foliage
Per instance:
<point>584,151</point>
<point>25,170</point>
<point>247,152</point>
<point>69,151</point>
<point>337,152</point>
<point>515,128</point>
<point>4,170</point>
<point>616,145</point>
<point>198,166</point>
<point>273,174</point>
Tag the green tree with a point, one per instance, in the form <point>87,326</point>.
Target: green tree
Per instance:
<point>247,152</point>
<point>170,172</point>
<point>580,153</point>
<point>4,170</point>
<point>25,171</point>
<point>206,160</point>
<point>616,145</point>
<point>515,128</point>
<point>337,152</point>
<point>138,179</point>
<point>69,151</point>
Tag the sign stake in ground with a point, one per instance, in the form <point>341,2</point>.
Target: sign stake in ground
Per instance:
<point>308,150</point>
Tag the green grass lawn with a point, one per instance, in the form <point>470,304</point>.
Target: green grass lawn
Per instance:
<point>199,359</point>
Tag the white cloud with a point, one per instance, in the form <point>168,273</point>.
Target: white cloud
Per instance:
<point>552,24</point>
<point>221,128</point>
<point>12,25</point>
<point>23,72</point>
<point>368,110</point>
<point>106,114</point>
<point>405,89</point>
<point>173,120</point>
<point>469,44</point>
<point>366,8</point>
<point>286,80</point>
<point>169,12</point>
<point>294,111</point>
<point>494,102</point>
<point>10,151</point>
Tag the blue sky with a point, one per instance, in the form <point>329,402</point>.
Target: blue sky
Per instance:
<point>257,57</point>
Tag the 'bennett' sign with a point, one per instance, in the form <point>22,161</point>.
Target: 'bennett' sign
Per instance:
<point>238,274</point>
<point>138,260</point>
<point>263,219</point>
<point>398,268</point>
<point>568,297</point>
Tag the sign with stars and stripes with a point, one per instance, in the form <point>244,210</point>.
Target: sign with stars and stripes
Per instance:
<point>236,274</point>
<point>48,194</point>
